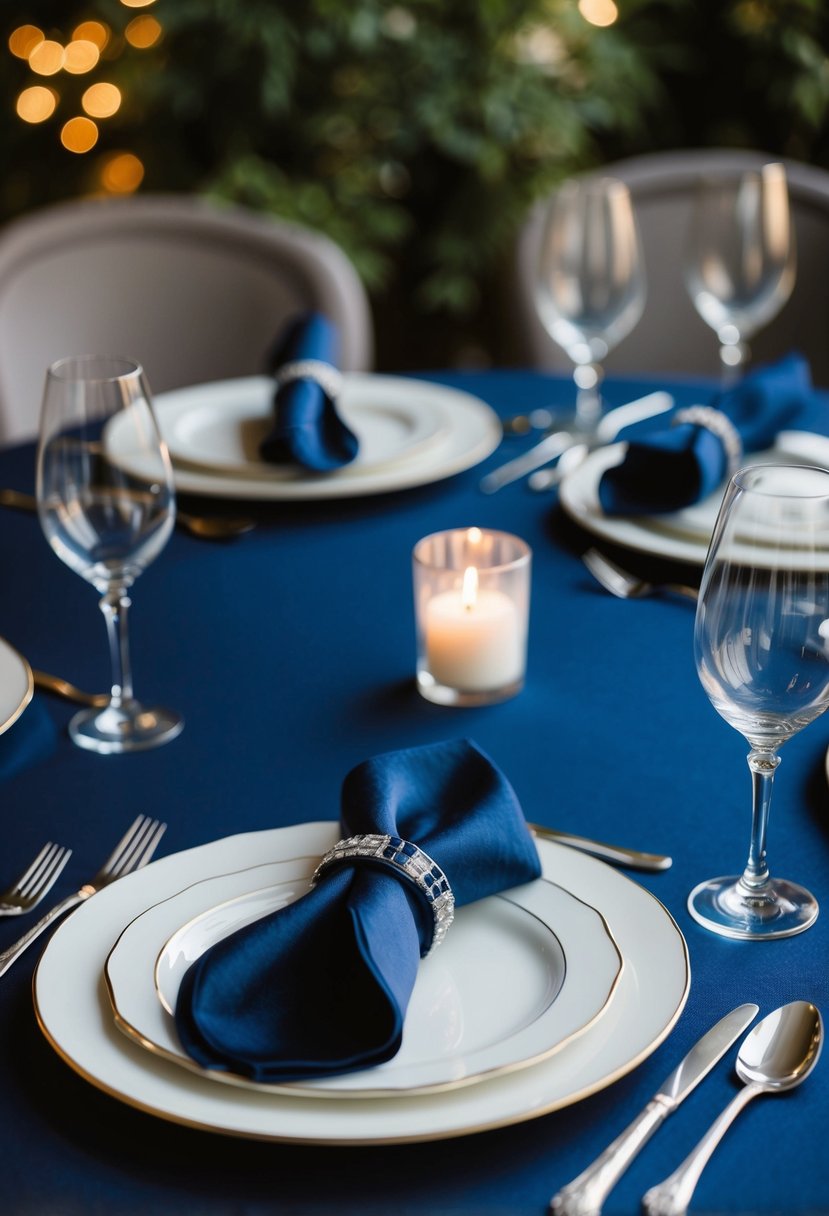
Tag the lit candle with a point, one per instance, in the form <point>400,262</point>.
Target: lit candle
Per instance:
<point>473,637</point>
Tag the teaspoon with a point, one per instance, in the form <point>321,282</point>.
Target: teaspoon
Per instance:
<point>776,1055</point>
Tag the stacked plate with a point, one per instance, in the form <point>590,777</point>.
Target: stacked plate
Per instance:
<point>683,535</point>
<point>538,997</point>
<point>411,432</point>
<point>16,685</point>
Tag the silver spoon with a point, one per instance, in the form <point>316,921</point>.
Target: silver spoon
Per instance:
<point>776,1055</point>
<point>208,527</point>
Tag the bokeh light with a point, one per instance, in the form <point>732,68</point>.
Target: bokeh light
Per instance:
<point>143,32</point>
<point>101,100</point>
<point>122,173</point>
<point>599,12</point>
<point>24,39</point>
<point>137,3</point>
<point>92,31</point>
<point>79,135</point>
<point>46,57</point>
<point>80,56</point>
<point>37,103</point>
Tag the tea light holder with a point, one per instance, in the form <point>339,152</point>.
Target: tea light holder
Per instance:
<point>472,603</point>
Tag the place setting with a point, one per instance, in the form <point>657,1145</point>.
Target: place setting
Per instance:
<point>149,991</point>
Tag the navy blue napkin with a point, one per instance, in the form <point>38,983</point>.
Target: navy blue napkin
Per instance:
<point>307,430</point>
<point>670,467</point>
<point>321,987</point>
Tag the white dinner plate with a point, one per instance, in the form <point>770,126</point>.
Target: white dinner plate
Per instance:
<point>682,535</point>
<point>16,685</point>
<point>469,431</point>
<point>556,963</point>
<point>74,1012</point>
<point>220,428</point>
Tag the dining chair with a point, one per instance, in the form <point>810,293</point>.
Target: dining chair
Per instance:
<point>192,290</point>
<point>671,337</point>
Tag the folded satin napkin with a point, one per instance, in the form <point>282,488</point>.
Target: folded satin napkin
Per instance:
<point>671,467</point>
<point>307,430</point>
<point>321,987</point>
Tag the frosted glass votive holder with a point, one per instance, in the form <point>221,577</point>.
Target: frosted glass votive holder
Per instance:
<point>472,607</point>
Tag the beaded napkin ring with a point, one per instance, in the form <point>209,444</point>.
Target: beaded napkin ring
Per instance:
<point>404,858</point>
<point>715,421</point>
<point>324,374</point>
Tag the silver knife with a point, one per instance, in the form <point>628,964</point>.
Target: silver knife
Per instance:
<point>585,1195</point>
<point>553,445</point>
<point>633,858</point>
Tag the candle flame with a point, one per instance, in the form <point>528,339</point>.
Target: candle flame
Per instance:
<point>469,592</point>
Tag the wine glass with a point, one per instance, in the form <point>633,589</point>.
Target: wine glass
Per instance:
<point>761,644</point>
<point>740,258</point>
<point>590,285</point>
<point>106,503</point>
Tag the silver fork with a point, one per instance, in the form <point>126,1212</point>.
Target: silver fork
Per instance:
<point>628,586</point>
<point>28,890</point>
<point>132,852</point>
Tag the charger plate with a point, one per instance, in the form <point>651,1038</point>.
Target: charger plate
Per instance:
<point>74,1012</point>
<point>417,432</point>
<point>681,535</point>
<point>553,959</point>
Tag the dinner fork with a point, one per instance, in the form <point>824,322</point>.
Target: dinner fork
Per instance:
<point>28,890</point>
<point>133,851</point>
<point>625,585</point>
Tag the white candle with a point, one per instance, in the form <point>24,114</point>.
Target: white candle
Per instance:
<point>473,638</point>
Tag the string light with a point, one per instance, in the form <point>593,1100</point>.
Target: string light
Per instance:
<point>80,56</point>
<point>137,3</point>
<point>37,103</point>
<point>143,32</point>
<point>101,100</point>
<point>92,31</point>
<point>597,12</point>
<point>79,134</point>
<point>122,173</point>
<point>24,39</point>
<point>46,57</point>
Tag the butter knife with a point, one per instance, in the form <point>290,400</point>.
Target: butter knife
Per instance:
<point>585,1195</point>
<point>616,853</point>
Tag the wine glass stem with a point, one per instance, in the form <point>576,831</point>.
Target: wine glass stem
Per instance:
<point>588,378</point>
<point>762,764</point>
<point>733,359</point>
<point>115,604</point>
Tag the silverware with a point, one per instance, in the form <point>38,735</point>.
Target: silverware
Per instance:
<point>618,854</point>
<point>62,688</point>
<point>627,586</point>
<point>778,1054</point>
<point>39,878</point>
<point>553,445</point>
<point>207,527</point>
<point>132,852</point>
<point>585,1195</point>
<point>549,478</point>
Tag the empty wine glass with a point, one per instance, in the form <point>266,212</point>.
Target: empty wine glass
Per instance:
<point>762,651</point>
<point>106,503</point>
<point>590,286</point>
<point>740,257</point>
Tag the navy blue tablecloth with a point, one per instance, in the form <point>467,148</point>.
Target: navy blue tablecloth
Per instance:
<point>291,655</point>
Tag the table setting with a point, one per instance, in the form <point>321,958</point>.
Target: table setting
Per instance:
<point>412,906</point>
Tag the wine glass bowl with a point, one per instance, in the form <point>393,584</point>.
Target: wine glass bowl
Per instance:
<point>107,519</point>
<point>740,261</point>
<point>761,644</point>
<point>590,284</point>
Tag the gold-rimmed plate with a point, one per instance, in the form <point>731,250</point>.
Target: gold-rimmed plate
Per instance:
<point>16,685</point>
<point>551,956</point>
<point>74,1012</point>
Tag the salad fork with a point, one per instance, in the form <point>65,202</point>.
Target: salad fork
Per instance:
<point>625,585</point>
<point>28,890</point>
<point>132,852</point>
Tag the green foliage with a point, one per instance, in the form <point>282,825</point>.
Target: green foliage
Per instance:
<point>417,133</point>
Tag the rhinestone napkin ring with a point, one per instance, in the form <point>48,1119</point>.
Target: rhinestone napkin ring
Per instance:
<point>404,858</point>
<point>328,377</point>
<point>715,421</point>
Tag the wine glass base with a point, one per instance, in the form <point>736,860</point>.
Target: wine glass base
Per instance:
<point>780,910</point>
<point>125,728</point>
